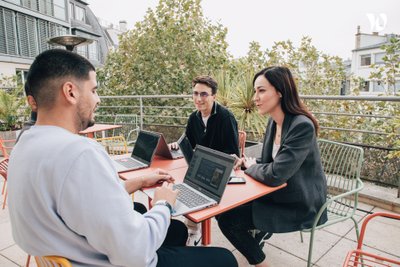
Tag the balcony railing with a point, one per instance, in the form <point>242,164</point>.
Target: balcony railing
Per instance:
<point>368,122</point>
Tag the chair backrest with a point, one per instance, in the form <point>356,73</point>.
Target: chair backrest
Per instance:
<point>130,126</point>
<point>342,166</point>
<point>4,168</point>
<point>114,145</point>
<point>6,145</point>
<point>242,142</point>
<point>52,261</point>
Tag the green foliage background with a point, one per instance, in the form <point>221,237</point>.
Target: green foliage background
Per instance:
<point>175,42</point>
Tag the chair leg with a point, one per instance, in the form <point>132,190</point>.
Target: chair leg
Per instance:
<point>28,259</point>
<point>5,199</point>
<point>310,248</point>
<point>356,227</point>
<point>301,237</point>
<point>4,187</point>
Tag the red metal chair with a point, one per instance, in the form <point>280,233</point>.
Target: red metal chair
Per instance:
<point>3,173</point>
<point>242,142</point>
<point>6,145</point>
<point>358,257</point>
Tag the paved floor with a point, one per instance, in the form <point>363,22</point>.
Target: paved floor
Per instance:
<point>330,247</point>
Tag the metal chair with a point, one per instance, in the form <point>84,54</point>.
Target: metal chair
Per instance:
<point>6,145</point>
<point>342,165</point>
<point>3,173</point>
<point>130,127</point>
<point>114,145</point>
<point>359,257</point>
<point>242,142</point>
<point>52,261</point>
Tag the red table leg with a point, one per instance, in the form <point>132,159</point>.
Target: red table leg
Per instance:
<point>206,232</point>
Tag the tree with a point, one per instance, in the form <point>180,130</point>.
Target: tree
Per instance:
<point>390,69</point>
<point>162,54</point>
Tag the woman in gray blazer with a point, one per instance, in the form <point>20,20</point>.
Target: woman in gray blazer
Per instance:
<point>290,155</point>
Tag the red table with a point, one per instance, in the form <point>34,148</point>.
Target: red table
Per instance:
<point>89,132</point>
<point>234,195</point>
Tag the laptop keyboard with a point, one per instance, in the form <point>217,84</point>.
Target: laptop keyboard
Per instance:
<point>129,163</point>
<point>189,197</point>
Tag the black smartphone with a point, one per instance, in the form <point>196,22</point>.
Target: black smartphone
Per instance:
<point>236,180</point>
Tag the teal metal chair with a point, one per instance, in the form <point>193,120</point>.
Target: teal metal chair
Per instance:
<point>342,166</point>
<point>130,127</point>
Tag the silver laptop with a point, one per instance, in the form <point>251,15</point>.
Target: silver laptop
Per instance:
<point>187,151</point>
<point>204,183</point>
<point>164,151</point>
<point>142,153</point>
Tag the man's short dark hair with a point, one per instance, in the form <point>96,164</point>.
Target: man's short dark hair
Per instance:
<point>206,80</point>
<point>49,71</point>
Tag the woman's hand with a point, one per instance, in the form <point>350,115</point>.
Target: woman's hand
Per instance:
<point>249,161</point>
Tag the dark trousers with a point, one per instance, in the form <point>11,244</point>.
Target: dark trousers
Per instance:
<point>236,225</point>
<point>173,252</point>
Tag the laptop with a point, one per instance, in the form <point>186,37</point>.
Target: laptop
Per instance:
<point>187,151</point>
<point>164,151</point>
<point>204,183</point>
<point>186,148</point>
<point>142,153</point>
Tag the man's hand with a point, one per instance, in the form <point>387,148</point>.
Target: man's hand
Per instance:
<point>158,176</point>
<point>165,192</point>
<point>173,146</point>
<point>238,162</point>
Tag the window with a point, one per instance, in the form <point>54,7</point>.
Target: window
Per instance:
<point>18,2</point>
<point>8,34</point>
<point>27,35</point>
<point>71,11</point>
<point>365,87</point>
<point>93,51</point>
<point>81,50</point>
<point>397,87</point>
<point>366,60</point>
<point>59,9</point>
<point>377,86</point>
<point>80,13</point>
<point>32,4</point>
<point>379,58</point>
<point>21,76</point>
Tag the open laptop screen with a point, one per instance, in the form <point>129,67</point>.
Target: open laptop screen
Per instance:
<point>209,170</point>
<point>186,148</point>
<point>145,146</point>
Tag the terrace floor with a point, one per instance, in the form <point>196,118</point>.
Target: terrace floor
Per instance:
<point>330,246</point>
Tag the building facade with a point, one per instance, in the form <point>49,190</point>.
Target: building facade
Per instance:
<point>27,25</point>
<point>366,54</point>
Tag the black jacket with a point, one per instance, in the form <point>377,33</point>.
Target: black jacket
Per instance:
<point>220,134</point>
<point>298,164</point>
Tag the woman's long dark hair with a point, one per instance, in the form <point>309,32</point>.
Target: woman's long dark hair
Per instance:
<point>281,78</point>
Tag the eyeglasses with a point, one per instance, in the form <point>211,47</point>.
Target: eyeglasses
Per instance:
<point>201,94</point>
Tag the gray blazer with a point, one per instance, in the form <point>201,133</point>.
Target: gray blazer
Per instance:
<point>298,164</point>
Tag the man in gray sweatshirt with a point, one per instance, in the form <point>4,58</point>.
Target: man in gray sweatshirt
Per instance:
<point>65,197</point>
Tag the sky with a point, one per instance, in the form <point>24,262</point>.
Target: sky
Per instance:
<point>332,24</point>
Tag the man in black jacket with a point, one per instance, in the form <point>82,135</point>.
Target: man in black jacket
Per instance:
<point>211,125</point>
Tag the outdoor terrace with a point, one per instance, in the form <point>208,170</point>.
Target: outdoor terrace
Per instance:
<point>357,120</point>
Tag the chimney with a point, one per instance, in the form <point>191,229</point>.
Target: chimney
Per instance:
<point>123,25</point>
<point>358,37</point>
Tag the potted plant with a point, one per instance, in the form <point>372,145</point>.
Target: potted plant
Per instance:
<point>13,110</point>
